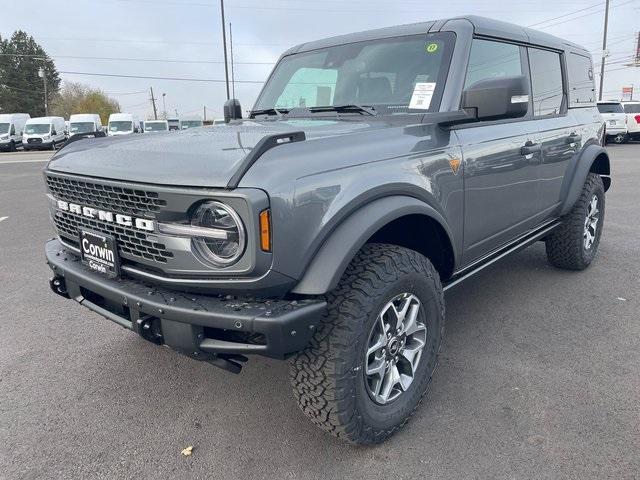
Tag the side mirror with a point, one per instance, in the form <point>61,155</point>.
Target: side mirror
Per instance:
<point>497,98</point>
<point>53,132</point>
<point>232,110</point>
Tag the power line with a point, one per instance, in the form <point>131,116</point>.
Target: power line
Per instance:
<point>564,15</point>
<point>149,77</point>
<point>126,59</point>
<point>582,16</point>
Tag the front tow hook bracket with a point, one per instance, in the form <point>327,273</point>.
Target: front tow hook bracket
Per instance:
<point>59,286</point>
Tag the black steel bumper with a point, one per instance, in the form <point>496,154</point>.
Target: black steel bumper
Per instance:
<point>204,327</point>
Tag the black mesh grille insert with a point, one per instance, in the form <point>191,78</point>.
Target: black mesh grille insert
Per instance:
<point>113,199</point>
<point>129,240</point>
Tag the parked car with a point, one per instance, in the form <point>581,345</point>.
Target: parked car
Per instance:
<point>375,171</point>
<point>632,112</point>
<point>615,121</point>
<point>44,133</point>
<point>153,126</point>
<point>84,123</point>
<point>11,129</point>
<point>123,124</point>
<point>191,122</point>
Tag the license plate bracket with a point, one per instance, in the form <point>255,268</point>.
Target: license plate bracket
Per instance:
<point>99,252</point>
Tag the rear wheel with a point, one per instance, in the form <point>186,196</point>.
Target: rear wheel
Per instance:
<point>371,361</point>
<point>574,245</point>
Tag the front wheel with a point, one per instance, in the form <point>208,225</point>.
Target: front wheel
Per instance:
<point>371,361</point>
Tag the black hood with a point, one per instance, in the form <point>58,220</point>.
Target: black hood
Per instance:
<point>199,157</point>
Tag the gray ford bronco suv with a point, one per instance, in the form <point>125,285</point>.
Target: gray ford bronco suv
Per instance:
<point>375,171</point>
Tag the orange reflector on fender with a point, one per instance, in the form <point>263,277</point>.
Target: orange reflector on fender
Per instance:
<point>265,230</point>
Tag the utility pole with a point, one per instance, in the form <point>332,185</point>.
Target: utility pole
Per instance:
<point>604,48</point>
<point>43,75</point>
<point>164,105</point>
<point>224,46</point>
<point>204,111</point>
<point>233,78</point>
<point>153,102</point>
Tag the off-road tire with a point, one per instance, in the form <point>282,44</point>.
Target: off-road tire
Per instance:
<point>328,376</point>
<point>565,246</point>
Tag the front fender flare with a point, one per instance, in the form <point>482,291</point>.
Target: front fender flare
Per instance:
<point>572,184</point>
<point>328,265</point>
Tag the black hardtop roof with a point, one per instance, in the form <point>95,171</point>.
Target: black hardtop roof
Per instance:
<point>481,25</point>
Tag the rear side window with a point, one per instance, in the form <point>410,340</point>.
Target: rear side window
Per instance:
<point>631,108</point>
<point>546,82</point>
<point>610,108</point>
<point>582,92</point>
<point>490,59</point>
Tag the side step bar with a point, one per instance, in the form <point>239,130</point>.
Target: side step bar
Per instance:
<point>493,257</point>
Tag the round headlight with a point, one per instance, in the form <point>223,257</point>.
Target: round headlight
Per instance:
<point>224,251</point>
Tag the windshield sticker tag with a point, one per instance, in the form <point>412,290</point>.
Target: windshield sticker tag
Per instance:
<point>422,94</point>
<point>431,48</point>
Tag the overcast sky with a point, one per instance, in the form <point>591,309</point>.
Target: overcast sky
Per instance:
<point>190,30</point>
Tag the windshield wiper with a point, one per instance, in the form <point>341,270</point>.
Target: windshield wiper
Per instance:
<point>270,111</point>
<point>367,109</point>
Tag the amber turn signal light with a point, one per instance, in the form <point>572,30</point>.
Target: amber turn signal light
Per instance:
<point>265,230</point>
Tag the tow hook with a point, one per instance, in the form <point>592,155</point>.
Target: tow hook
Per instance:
<point>59,286</point>
<point>229,362</point>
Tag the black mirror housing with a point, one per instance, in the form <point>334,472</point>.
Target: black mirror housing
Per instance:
<point>232,110</point>
<point>498,98</point>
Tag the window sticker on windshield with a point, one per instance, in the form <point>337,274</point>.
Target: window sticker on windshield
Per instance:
<point>431,47</point>
<point>422,94</point>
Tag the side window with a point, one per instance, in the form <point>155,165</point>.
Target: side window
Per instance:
<point>490,59</point>
<point>582,92</point>
<point>546,82</point>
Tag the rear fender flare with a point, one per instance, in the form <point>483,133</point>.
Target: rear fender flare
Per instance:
<point>572,185</point>
<point>330,262</point>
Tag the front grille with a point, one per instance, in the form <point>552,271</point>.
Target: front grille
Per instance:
<point>34,140</point>
<point>123,200</point>
<point>130,241</point>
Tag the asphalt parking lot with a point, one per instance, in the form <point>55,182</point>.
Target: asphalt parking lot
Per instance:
<point>539,375</point>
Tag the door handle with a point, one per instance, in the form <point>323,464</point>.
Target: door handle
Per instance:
<point>574,138</point>
<point>530,148</point>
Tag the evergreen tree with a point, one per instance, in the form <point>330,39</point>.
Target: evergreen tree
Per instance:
<point>21,89</point>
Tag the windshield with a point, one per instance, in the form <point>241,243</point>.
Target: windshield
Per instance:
<point>37,128</point>
<point>610,108</point>
<point>394,75</point>
<point>82,127</point>
<point>191,124</point>
<point>628,108</point>
<point>120,126</point>
<point>4,128</point>
<point>155,126</point>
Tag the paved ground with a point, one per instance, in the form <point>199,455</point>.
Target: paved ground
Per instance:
<point>539,378</point>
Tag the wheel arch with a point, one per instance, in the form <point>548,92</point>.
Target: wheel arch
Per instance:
<point>594,159</point>
<point>399,220</point>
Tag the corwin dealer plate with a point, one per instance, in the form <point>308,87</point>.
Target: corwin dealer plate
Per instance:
<point>99,253</point>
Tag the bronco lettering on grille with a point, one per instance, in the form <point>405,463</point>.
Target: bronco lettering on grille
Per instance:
<point>110,217</point>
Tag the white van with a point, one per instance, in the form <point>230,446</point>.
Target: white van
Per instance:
<point>156,126</point>
<point>11,128</point>
<point>615,121</point>
<point>122,124</point>
<point>632,111</point>
<point>190,122</point>
<point>84,123</point>
<point>44,133</point>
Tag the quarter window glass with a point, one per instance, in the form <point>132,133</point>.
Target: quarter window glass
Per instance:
<point>632,108</point>
<point>581,86</point>
<point>492,60</point>
<point>546,82</point>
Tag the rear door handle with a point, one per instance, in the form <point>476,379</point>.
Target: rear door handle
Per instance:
<point>574,138</point>
<point>529,149</point>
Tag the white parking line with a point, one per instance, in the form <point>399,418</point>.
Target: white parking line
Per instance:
<point>3,218</point>
<point>2,162</point>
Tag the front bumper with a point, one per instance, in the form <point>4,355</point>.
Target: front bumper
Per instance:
<point>613,131</point>
<point>204,327</point>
